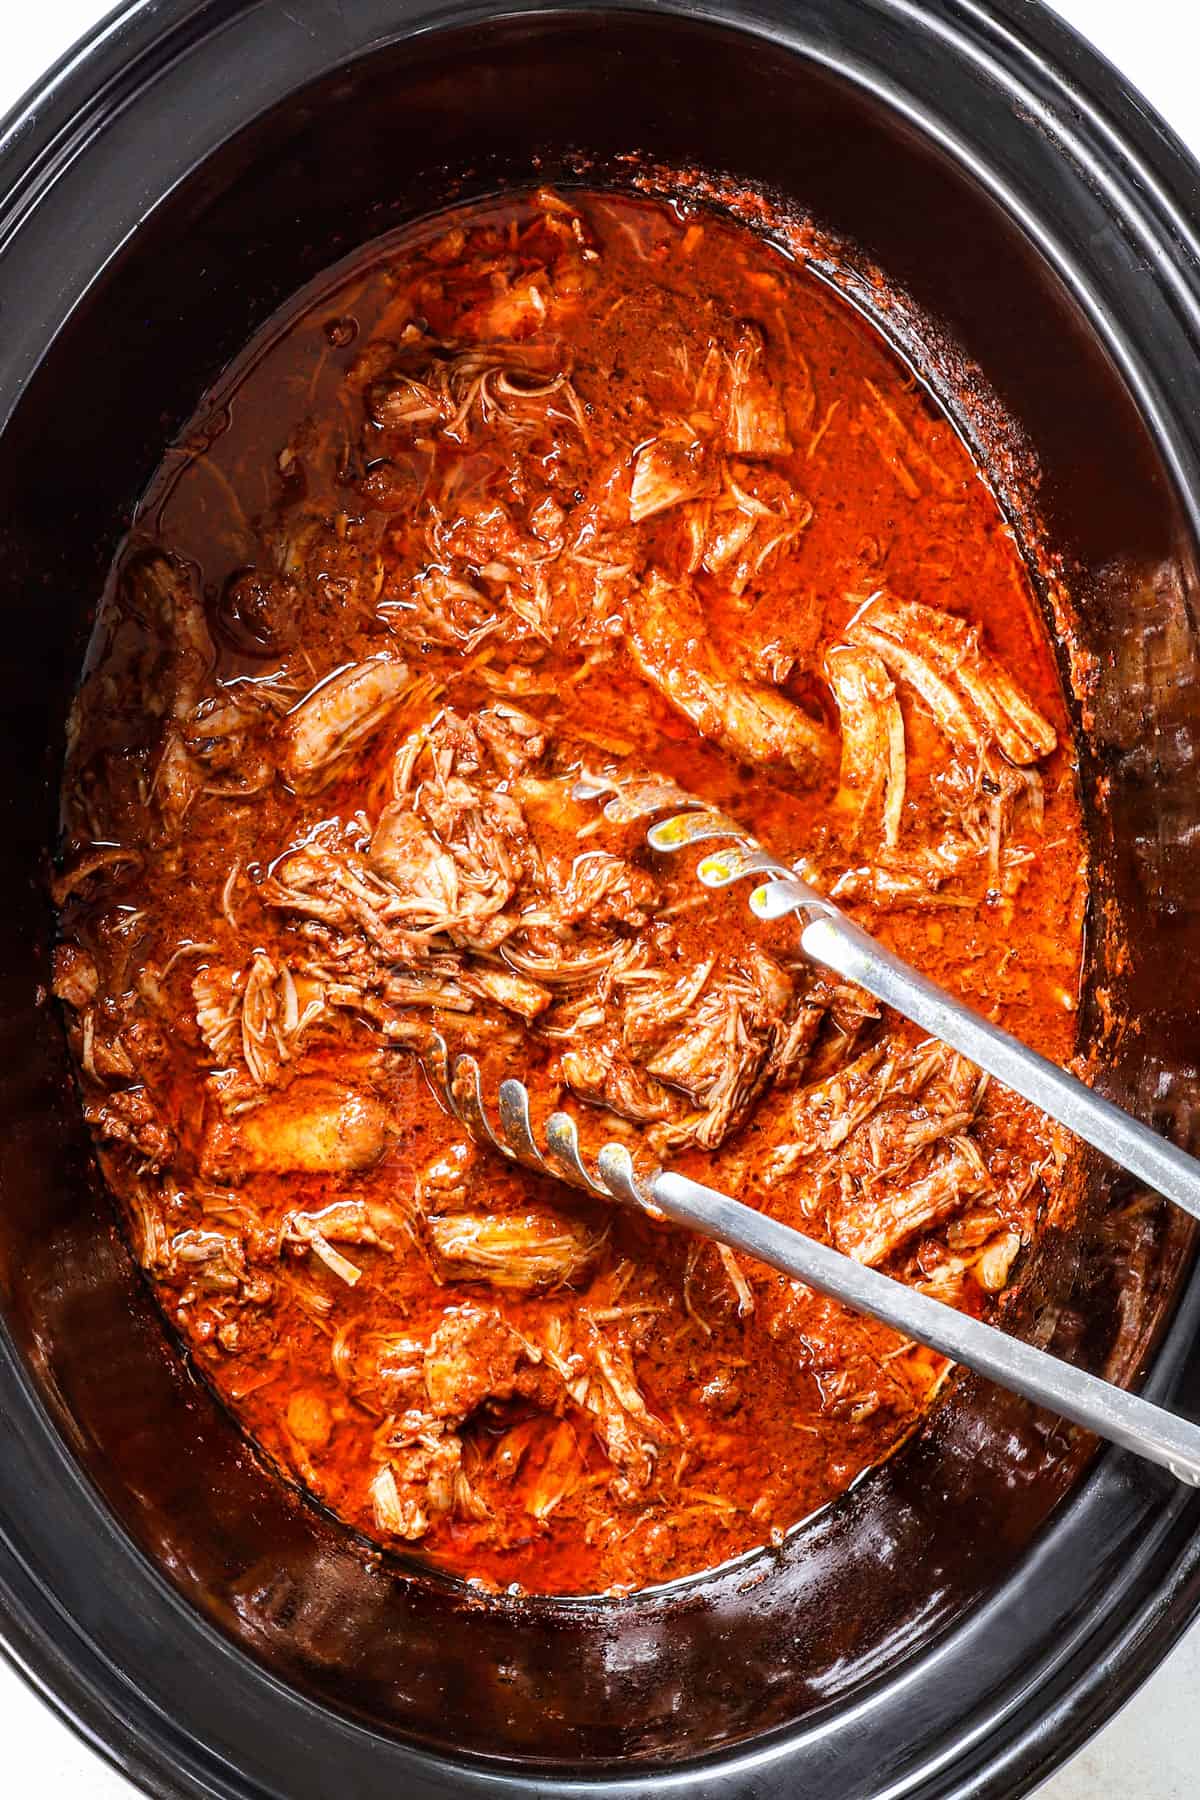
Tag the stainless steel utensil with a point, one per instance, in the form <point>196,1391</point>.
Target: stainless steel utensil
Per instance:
<point>828,937</point>
<point>833,940</point>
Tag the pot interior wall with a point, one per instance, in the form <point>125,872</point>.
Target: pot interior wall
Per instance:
<point>395,135</point>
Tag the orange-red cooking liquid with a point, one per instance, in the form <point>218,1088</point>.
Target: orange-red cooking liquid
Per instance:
<point>772,1446</point>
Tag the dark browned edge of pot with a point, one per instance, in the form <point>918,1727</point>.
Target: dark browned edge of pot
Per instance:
<point>979,1699</point>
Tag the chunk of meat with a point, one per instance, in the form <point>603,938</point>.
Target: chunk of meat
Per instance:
<point>945,1273</point>
<point>720,534</point>
<point>1022,732</point>
<point>438,608</point>
<point>163,590</point>
<point>475,1356</point>
<point>687,1051</point>
<point>445,1183</point>
<point>671,648</point>
<point>445,768</point>
<point>652,1007</point>
<point>932,1095</point>
<point>599,1072</point>
<point>339,714</point>
<point>258,1013</point>
<point>316,1126</point>
<point>996,1259</point>
<point>506,385</point>
<point>515,993</point>
<point>735,536</point>
<point>417,1485</point>
<point>340,890</point>
<point>178,779</point>
<point>412,862</point>
<point>720,1054</point>
<point>971,696</point>
<point>901,449</point>
<point>873,1228</point>
<point>514,738</point>
<point>601,1379</point>
<point>225,742</point>
<point>983,796</point>
<point>909,878</point>
<point>558,1473</point>
<point>95,861</point>
<point>513,312</point>
<point>596,886</point>
<point>75,977</point>
<point>214,991</point>
<point>873,754</point>
<point>666,471</point>
<point>524,1251</point>
<point>130,1117</point>
<point>754,413</point>
<point>342,1222</point>
<point>215,1261</point>
<point>401,400</point>
<point>568,965</point>
<point>103,1053</point>
<point>929,1084</point>
<point>823,1116</point>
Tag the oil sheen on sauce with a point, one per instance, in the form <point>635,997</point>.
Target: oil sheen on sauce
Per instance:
<point>565,483</point>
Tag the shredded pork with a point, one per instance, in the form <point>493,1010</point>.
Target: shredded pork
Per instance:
<point>570,486</point>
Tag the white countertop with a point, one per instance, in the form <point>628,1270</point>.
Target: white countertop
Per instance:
<point>1151,1751</point>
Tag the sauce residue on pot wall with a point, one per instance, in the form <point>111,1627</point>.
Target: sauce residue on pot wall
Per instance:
<point>563,484</point>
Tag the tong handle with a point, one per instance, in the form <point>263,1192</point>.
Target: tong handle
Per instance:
<point>834,941</point>
<point>830,938</point>
<point>1123,1418</point>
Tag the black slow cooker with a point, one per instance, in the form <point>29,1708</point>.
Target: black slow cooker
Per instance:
<point>970,1611</point>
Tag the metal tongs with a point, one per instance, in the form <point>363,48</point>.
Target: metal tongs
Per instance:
<point>830,938</point>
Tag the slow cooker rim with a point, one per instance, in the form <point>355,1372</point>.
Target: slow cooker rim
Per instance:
<point>113,63</point>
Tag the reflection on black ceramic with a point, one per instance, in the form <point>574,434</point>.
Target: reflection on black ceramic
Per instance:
<point>941,1630</point>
